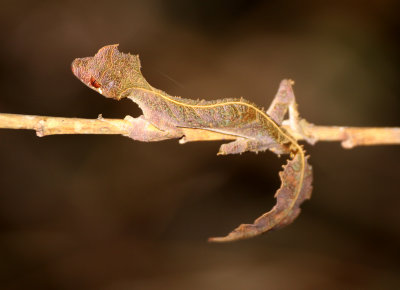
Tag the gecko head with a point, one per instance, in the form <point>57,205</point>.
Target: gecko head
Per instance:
<point>109,72</point>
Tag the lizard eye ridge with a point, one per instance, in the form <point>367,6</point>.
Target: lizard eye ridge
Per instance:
<point>94,83</point>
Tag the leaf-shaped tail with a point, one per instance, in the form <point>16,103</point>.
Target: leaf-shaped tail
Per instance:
<point>296,187</point>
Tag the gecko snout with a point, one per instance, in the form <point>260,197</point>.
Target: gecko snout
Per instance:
<point>78,69</point>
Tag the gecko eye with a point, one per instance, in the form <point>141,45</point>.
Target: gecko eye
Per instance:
<point>94,83</point>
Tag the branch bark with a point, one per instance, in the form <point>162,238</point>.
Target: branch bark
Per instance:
<point>352,136</point>
<point>43,125</point>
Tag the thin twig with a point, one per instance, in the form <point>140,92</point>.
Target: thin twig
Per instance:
<point>348,136</point>
<point>44,125</point>
<point>352,136</point>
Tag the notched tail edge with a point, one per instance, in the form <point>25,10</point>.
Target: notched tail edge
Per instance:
<point>296,187</point>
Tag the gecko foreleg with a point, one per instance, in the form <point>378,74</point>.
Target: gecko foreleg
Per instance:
<point>142,130</point>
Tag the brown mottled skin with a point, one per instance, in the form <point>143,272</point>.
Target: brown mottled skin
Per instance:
<point>117,75</point>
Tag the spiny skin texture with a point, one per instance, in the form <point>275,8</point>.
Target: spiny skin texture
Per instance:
<point>117,75</point>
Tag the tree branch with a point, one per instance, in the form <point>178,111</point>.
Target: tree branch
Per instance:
<point>348,136</point>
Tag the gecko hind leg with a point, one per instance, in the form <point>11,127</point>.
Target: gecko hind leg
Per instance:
<point>238,146</point>
<point>284,102</point>
<point>241,145</point>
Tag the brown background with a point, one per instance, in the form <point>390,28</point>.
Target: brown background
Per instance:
<point>104,212</point>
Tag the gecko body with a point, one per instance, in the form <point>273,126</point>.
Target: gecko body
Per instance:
<point>117,75</point>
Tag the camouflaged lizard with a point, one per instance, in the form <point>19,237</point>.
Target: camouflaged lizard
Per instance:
<point>117,75</point>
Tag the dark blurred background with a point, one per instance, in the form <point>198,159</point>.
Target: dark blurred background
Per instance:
<point>104,212</point>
